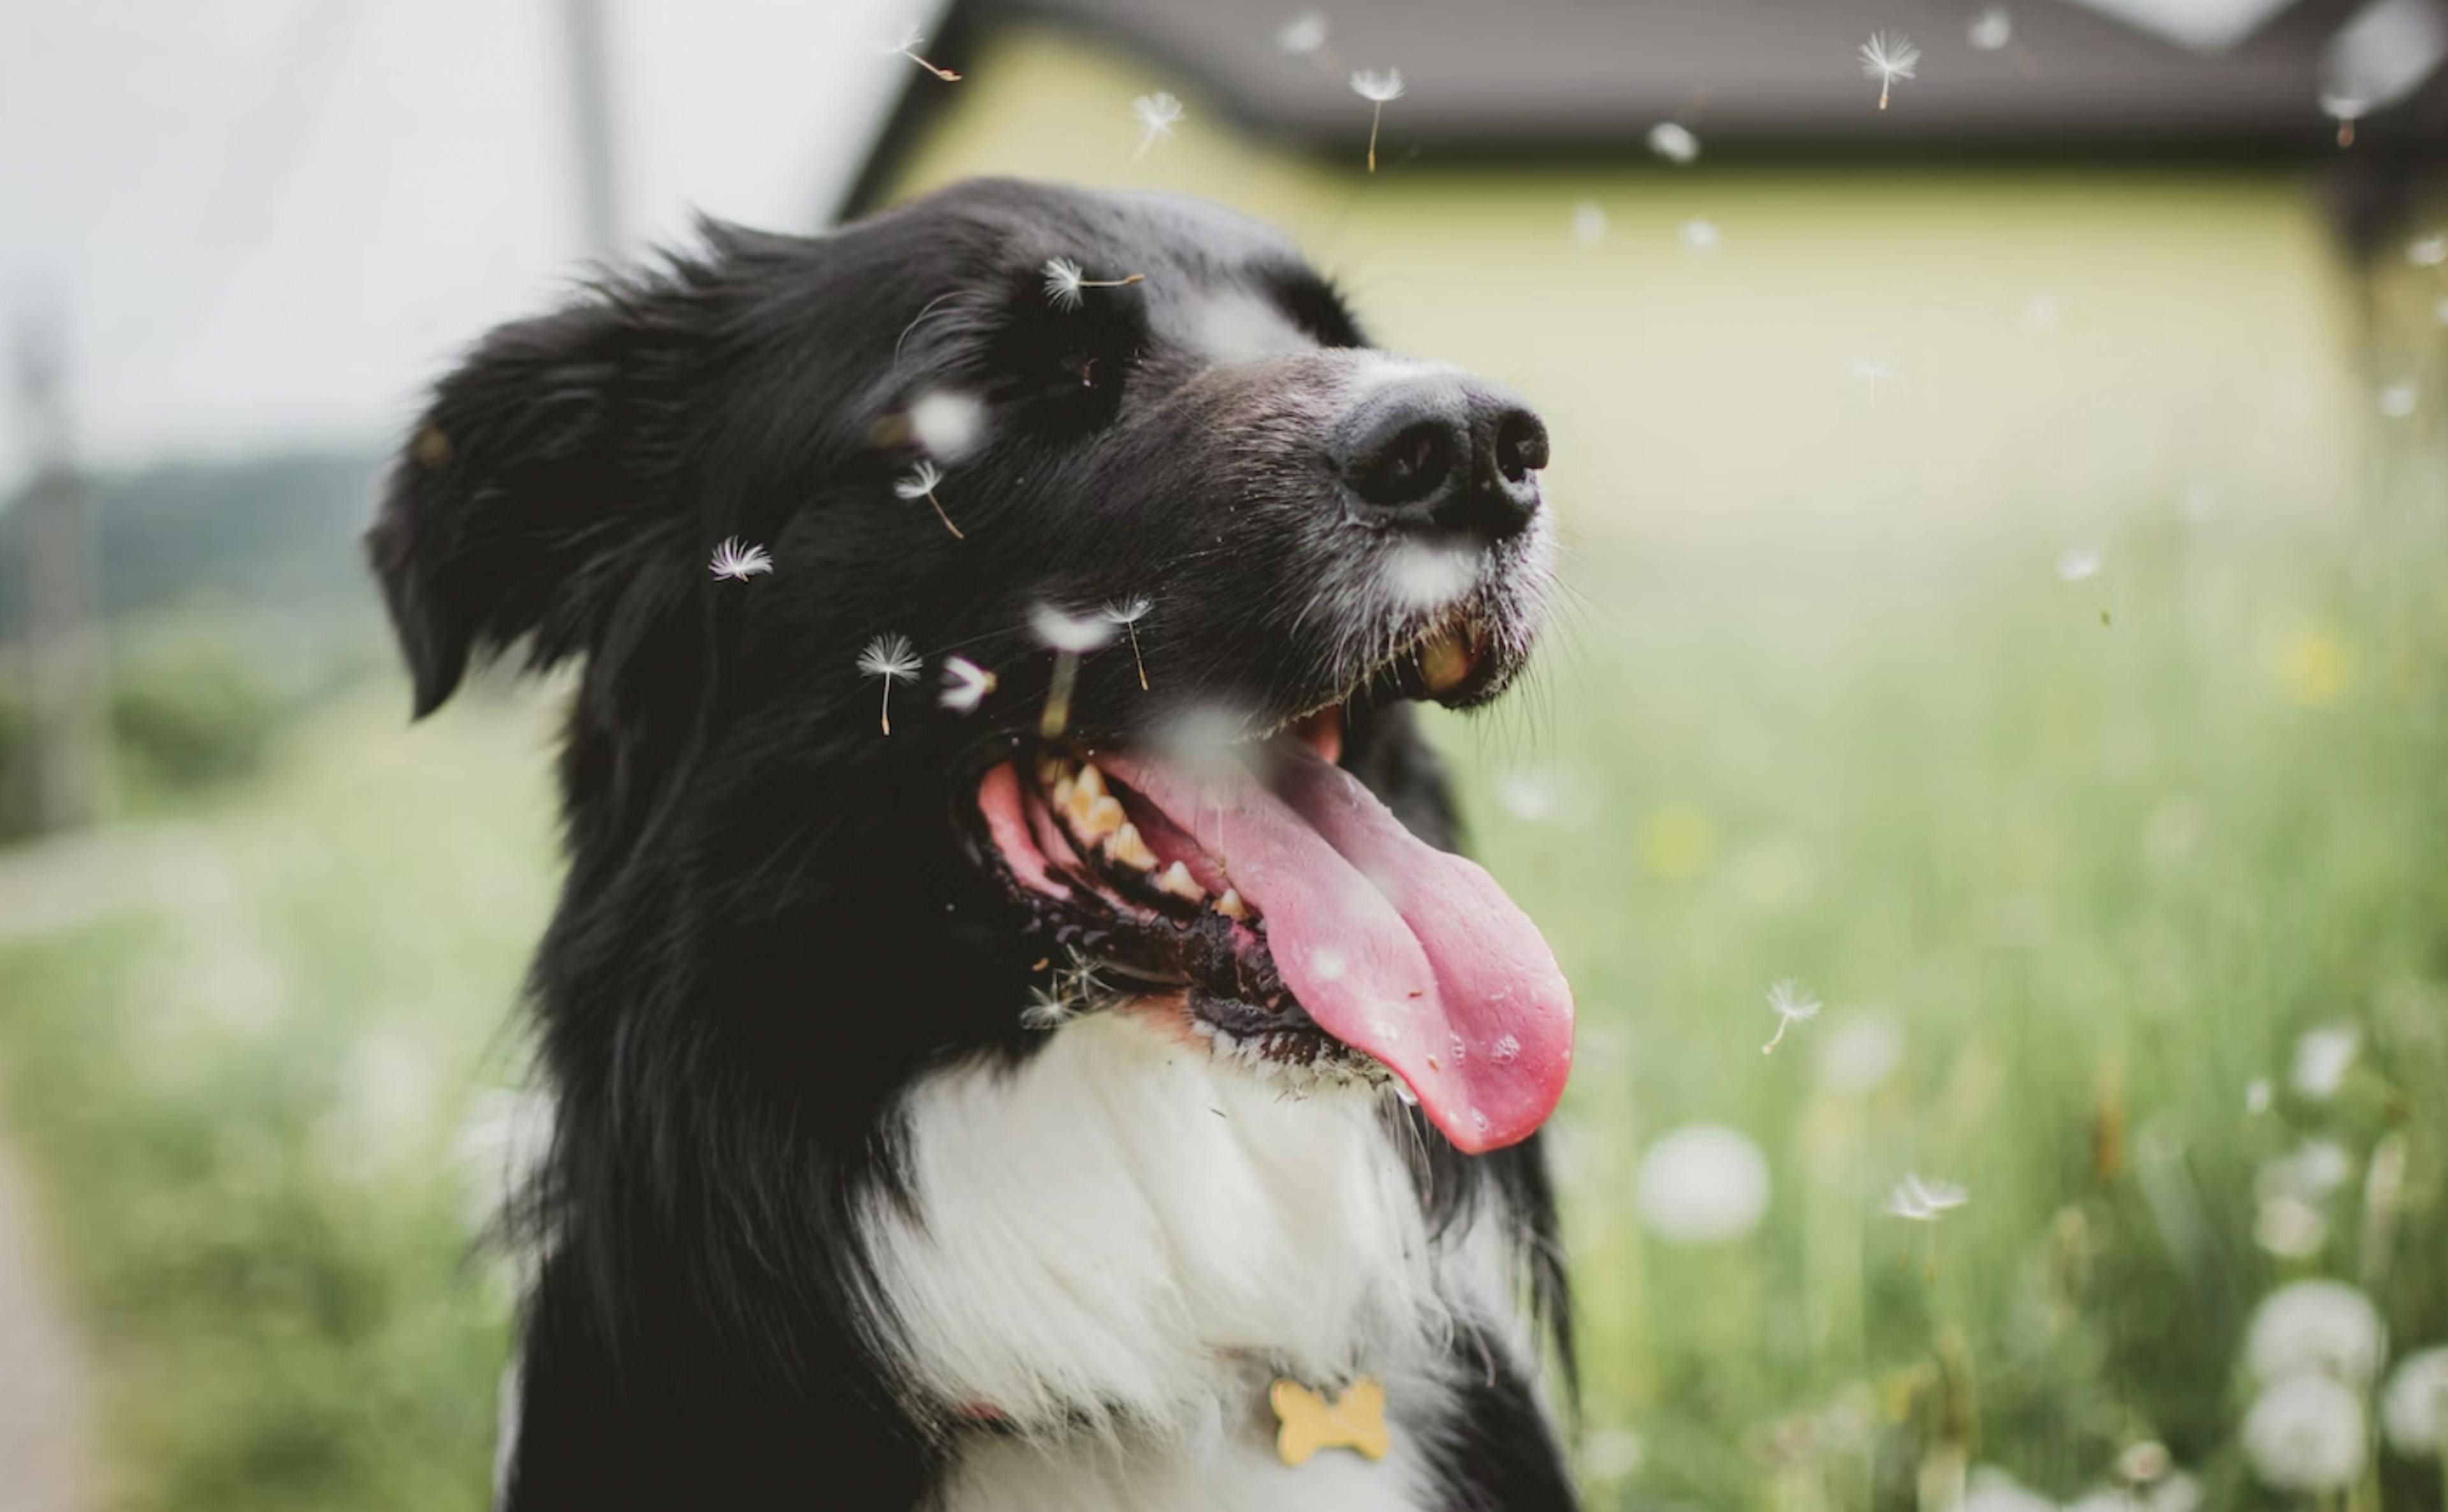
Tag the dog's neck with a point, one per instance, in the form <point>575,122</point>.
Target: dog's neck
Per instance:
<point>1130,1232</point>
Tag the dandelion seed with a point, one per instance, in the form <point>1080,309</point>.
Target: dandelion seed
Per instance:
<point>1082,980</point>
<point>921,484</point>
<point>1857,1057</point>
<point>740,562</point>
<point>907,46</point>
<point>2290,1228</point>
<point>2398,400</point>
<point>1791,1005</point>
<point>1303,33</point>
<point>1063,281</point>
<point>2078,564</point>
<point>965,684</point>
<point>2345,109</point>
<point>1048,1009</point>
<point>1924,1202</point>
<point>1377,89</point>
<point>2256,1096</point>
<point>1991,29</point>
<point>1157,114</point>
<point>1071,639</point>
<point>1675,142</point>
<point>947,424</point>
<point>2306,1433</point>
<point>1887,60</point>
<point>1700,236</point>
<point>2322,1058</point>
<point>1128,613</point>
<point>2428,251</point>
<point>889,657</point>
<point>1589,222</point>
<point>1873,375</point>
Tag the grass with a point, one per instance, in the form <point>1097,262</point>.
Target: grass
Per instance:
<point>2089,857</point>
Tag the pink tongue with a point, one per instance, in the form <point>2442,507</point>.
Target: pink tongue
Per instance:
<point>1395,948</point>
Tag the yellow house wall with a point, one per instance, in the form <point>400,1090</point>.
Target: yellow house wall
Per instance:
<point>2066,345</point>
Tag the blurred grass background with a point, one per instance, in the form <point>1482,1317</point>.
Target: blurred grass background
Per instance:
<point>2072,864</point>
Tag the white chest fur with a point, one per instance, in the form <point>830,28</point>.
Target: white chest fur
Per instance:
<point>1115,1246</point>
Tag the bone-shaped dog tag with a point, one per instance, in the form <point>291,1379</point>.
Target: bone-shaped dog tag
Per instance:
<point>1354,1420</point>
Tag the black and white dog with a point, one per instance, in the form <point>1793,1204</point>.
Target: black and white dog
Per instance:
<point>1099,1088</point>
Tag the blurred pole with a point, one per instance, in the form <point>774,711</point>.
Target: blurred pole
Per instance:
<point>586,43</point>
<point>63,660</point>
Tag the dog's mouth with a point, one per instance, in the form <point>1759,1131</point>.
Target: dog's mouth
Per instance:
<point>1266,898</point>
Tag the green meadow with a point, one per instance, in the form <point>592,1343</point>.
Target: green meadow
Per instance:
<point>2071,861</point>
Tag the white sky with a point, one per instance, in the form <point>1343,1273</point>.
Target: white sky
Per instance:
<point>270,223</point>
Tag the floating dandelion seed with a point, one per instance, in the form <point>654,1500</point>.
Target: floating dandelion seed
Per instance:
<point>907,46</point>
<point>1873,375</point>
<point>1303,33</point>
<point>1082,980</point>
<point>1071,639</point>
<point>2322,1057</point>
<point>1991,29</point>
<point>1589,222</point>
<point>1888,59</point>
<point>2345,109</point>
<point>1063,281</point>
<point>1924,1202</point>
<point>1377,89</point>
<point>1675,142</point>
<point>965,684</point>
<point>2076,564</point>
<point>2428,251</point>
<point>1048,1009</point>
<point>889,657</point>
<point>738,562</point>
<point>1702,1183</point>
<point>1701,236</point>
<point>1791,1005</point>
<point>1157,114</point>
<point>1128,613</point>
<point>921,484</point>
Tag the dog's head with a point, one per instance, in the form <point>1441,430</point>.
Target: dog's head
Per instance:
<point>1105,505</point>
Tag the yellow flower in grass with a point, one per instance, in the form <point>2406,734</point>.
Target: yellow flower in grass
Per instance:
<point>1677,843</point>
<point>2315,667</point>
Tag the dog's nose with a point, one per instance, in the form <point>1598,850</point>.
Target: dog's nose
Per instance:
<point>1443,454</point>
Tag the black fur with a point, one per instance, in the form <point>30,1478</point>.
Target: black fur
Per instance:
<point>775,918</point>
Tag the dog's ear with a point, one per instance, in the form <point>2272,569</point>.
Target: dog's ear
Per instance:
<point>531,492</point>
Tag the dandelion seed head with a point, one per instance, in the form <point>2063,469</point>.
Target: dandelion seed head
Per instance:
<point>1065,632</point>
<point>1857,1056</point>
<point>1303,33</point>
<point>1673,140</point>
<point>2323,1057</point>
<point>2398,400</point>
<point>908,39</point>
<point>1156,114</point>
<point>2319,1327</point>
<point>1924,1202</point>
<point>889,657</point>
<point>1589,222</point>
<point>947,424</point>
<point>1885,58</point>
<point>2289,1227</point>
<point>2306,1433</point>
<point>1380,86</point>
<point>2079,564</point>
<point>965,684</point>
<point>1991,29</point>
<point>2415,1408</point>
<point>1127,611</point>
<point>1702,1183</point>
<point>740,562</point>
<point>1993,1490</point>
<point>1063,281</point>
<point>1790,1002</point>
<point>920,483</point>
<point>1701,236</point>
<point>1046,1009</point>
<point>2429,251</point>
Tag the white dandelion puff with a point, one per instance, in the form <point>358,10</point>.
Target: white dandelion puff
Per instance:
<point>2256,1096</point>
<point>2315,1326</point>
<point>889,657</point>
<point>2428,251</point>
<point>965,684</point>
<point>1991,29</point>
<point>2079,564</point>
<point>921,484</point>
<point>1063,281</point>
<point>907,46</point>
<point>1993,1490</point>
<point>1071,639</point>
<point>1873,375</point>
<point>1378,88</point>
<point>1924,1202</point>
<point>1589,222</point>
<point>2323,1057</point>
<point>1156,114</point>
<point>1701,236</point>
<point>1047,1009</point>
<point>1304,33</point>
<point>2398,400</point>
<point>2306,1433</point>
<point>1128,613</point>
<point>738,562</point>
<point>947,424</point>
<point>2289,1227</point>
<point>1702,1183</point>
<point>2415,1410</point>
<point>1888,60</point>
<point>1673,140</point>
<point>1857,1057</point>
<point>1791,1005</point>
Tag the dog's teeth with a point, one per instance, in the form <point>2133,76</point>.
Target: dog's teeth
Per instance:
<point>1444,661</point>
<point>1231,905</point>
<point>1178,881</point>
<point>1092,781</point>
<point>1104,816</point>
<point>1064,788</point>
<point>1125,846</point>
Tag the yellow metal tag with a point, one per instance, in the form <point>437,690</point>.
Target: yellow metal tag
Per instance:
<point>1354,1420</point>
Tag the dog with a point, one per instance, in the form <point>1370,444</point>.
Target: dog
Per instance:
<point>1093,1083</point>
